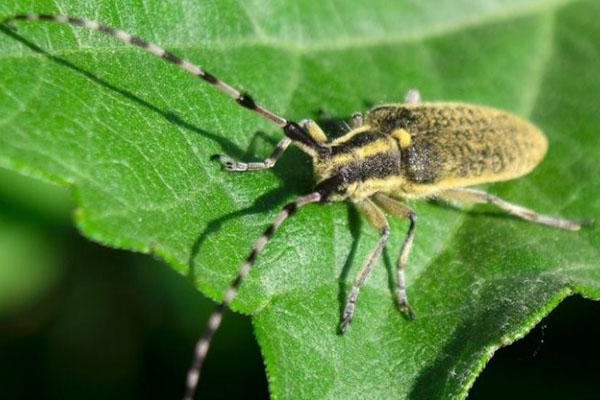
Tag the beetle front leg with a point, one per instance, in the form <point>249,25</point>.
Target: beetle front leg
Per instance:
<point>231,164</point>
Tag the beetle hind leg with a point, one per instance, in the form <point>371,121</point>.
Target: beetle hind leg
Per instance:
<point>466,195</point>
<point>399,210</point>
<point>377,219</point>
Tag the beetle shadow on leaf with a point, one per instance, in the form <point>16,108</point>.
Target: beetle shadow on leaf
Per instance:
<point>261,204</point>
<point>292,180</point>
<point>334,127</point>
<point>389,267</point>
<point>170,116</point>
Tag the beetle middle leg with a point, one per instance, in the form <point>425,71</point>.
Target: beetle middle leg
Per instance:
<point>377,219</point>
<point>467,195</point>
<point>399,210</point>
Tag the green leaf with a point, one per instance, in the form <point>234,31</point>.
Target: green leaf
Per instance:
<point>132,137</point>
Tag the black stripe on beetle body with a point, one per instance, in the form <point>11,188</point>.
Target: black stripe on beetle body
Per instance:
<point>358,140</point>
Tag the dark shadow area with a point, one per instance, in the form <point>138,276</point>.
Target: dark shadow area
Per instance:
<point>390,268</point>
<point>294,172</point>
<point>558,359</point>
<point>333,126</point>
<point>368,104</point>
<point>122,326</point>
<point>391,271</point>
<point>479,329</point>
<point>26,215</point>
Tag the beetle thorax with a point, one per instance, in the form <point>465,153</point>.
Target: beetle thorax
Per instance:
<point>364,162</point>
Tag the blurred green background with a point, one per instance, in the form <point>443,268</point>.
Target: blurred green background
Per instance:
<point>78,320</point>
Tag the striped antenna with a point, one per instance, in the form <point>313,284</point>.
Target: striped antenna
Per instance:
<point>216,317</point>
<point>243,99</point>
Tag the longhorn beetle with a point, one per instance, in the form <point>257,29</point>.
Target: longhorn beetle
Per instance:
<point>410,150</point>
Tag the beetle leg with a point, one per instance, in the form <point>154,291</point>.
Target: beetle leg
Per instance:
<point>231,164</point>
<point>357,120</point>
<point>412,96</point>
<point>377,219</point>
<point>399,210</point>
<point>311,127</point>
<point>466,195</point>
<point>314,130</point>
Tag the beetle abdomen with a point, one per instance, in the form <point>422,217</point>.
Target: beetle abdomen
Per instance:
<point>455,144</point>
